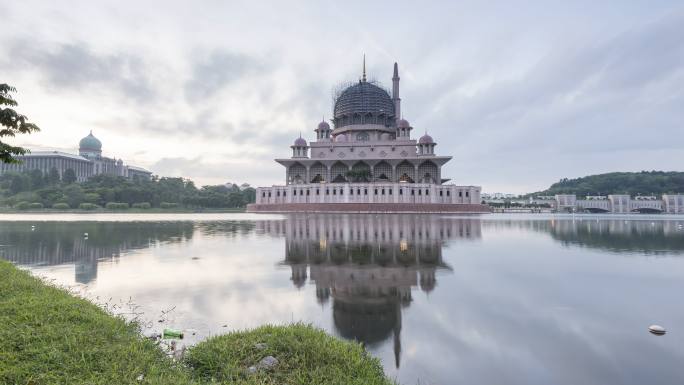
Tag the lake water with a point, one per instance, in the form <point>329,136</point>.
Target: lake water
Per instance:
<point>496,299</point>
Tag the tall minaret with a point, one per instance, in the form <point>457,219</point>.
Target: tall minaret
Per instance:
<point>395,92</point>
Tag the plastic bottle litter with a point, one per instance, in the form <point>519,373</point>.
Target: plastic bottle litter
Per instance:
<point>172,333</point>
<point>657,329</point>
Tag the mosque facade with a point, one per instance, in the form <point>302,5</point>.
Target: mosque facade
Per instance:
<point>368,160</point>
<point>87,163</point>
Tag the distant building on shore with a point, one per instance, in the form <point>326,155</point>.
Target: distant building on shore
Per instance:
<point>614,203</point>
<point>87,163</point>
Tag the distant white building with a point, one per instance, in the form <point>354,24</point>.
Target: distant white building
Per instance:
<point>87,163</point>
<point>673,203</point>
<point>620,203</point>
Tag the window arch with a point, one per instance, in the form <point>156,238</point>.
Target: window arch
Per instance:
<point>297,174</point>
<point>318,173</point>
<point>406,172</point>
<point>428,172</point>
<point>338,173</point>
<point>360,172</point>
<point>382,172</point>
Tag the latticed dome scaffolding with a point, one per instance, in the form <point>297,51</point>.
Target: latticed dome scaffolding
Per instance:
<point>363,103</point>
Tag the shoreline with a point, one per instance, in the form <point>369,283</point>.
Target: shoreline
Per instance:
<point>52,336</point>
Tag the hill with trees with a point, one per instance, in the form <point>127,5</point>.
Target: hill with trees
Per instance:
<point>35,190</point>
<point>632,183</point>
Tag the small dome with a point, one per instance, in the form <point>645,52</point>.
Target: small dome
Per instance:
<point>90,143</point>
<point>403,123</point>
<point>341,138</point>
<point>300,142</point>
<point>323,125</point>
<point>425,139</point>
<point>385,136</point>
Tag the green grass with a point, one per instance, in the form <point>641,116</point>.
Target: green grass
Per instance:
<point>306,355</point>
<point>48,336</point>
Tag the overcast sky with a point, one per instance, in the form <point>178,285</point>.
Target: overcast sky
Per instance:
<point>521,94</point>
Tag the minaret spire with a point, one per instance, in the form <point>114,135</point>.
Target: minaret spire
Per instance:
<point>395,92</point>
<point>363,78</point>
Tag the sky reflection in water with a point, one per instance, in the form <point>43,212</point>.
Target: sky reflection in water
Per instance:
<point>473,300</point>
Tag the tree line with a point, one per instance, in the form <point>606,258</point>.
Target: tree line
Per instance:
<point>35,189</point>
<point>632,183</point>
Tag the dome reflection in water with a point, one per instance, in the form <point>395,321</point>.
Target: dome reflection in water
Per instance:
<point>368,266</point>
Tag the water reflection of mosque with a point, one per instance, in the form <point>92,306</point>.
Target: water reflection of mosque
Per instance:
<point>368,265</point>
<point>53,243</point>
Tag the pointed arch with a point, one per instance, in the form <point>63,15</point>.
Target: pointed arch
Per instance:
<point>296,173</point>
<point>338,172</point>
<point>318,173</point>
<point>406,172</point>
<point>360,172</point>
<point>356,119</point>
<point>428,172</point>
<point>382,172</point>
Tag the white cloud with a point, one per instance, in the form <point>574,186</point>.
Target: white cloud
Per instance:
<point>520,95</point>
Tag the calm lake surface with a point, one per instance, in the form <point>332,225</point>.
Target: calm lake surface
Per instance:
<point>496,299</point>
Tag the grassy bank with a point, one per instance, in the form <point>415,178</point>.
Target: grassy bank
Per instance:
<point>47,336</point>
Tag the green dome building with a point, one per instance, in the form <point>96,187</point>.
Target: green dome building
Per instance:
<point>90,146</point>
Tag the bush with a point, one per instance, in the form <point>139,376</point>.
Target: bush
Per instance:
<point>142,205</point>
<point>88,206</point>
<point>116,206</point>
<point>22,205</point>
<point>36,205</point>
<point>61,206</point>
<point>92,197</point>
<point>168,205</point>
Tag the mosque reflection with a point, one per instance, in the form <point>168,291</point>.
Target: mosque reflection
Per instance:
<point>368,265</point>
<point>54,243</point>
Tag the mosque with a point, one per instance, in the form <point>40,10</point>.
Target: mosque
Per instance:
<point>368,161</point>
<point>87,163</point>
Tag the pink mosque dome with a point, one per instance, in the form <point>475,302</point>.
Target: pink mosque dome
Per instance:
<point>323,125</point>
<point>403,123</point>
<point>300,142</point>
<point>426,139</point>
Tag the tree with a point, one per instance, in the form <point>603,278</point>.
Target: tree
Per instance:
<point>18,183</point>
<point>12,123</point>
<point>74,195</point>
<point>69,176</point>
<point>53,176</point>
<point>37,180</point>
